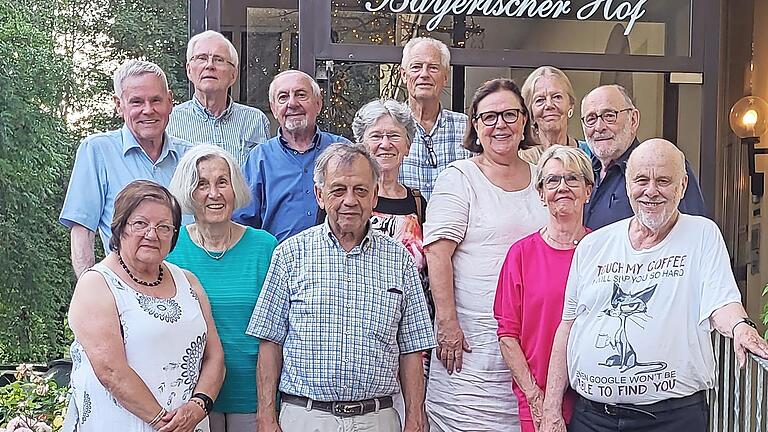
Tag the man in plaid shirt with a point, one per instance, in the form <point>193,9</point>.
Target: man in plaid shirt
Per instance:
<point>342,315</point>
<point>438,141</point>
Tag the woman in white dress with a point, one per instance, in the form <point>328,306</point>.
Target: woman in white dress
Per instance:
<point>146,354</point>
<point>479,207</point>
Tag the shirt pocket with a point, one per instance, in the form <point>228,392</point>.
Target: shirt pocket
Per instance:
<point>386,313</point>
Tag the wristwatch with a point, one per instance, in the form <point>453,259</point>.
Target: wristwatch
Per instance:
<point>746,321</point>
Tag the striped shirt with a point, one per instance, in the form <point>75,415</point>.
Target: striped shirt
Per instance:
<point>237,130</point>
<point>432,152</point>
<point>343,318</point>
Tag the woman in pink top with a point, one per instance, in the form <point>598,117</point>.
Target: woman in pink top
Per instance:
<point>529,298</point>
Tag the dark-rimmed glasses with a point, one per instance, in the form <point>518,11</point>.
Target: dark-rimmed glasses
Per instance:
<point>431,155</point>
<point>141,228</point>
<point>608,116</point>
<point>490,118</point>
<point>572,180</point>
<point>377,137</point>
<point>203,59</point>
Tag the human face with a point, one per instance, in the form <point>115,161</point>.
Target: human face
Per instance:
<point>655,185</point>
<point>213,196</point>
<point>145,106</point>
<point>295,107</point>
<point>609,141</point>
<point>550,104</point>
<point>501,139</point>
<point>348,197</point>
<point>423,73</point>
<point>147,247</point>
<point>564,199</point>
<point>209,77</point>
<point>388,150</point>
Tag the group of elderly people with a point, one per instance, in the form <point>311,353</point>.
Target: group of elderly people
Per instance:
<point>299,300</point>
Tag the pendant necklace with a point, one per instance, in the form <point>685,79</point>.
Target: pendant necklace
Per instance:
<point>137,280</point>
<point>215,254</point>
<point>570,244</point>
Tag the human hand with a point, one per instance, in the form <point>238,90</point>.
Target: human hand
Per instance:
<point>183,418</point>
<point>552,423</point>
<point>746,338</point>
<point>535,397</point>
<point>451,345</point>
<point>267,424</point>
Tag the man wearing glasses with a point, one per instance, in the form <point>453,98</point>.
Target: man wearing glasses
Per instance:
<point>425,67</point>
<point>610,121</point>
<point>211,117</point>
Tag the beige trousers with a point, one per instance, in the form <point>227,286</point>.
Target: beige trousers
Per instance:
<point>294,418</point>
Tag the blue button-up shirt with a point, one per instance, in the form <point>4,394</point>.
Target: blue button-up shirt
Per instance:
<point>609,201</point>
<point>446,140</point>
<point>104,164</point>
<point>237,130</point>
<point>343,318</point>
<point>282,188</point>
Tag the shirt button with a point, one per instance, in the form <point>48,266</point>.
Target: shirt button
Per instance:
<point>305,170</point>
<point>295,152</point>
<point>309,213</point>
<point>307,191</point>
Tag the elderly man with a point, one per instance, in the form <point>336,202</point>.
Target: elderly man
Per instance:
<point>342,314</point>
<point>106,162</point>
<point>610,122</point>
<point>279,171</point>
<point>642,298</point>
<point>438,142</point>
<point>211,117</point>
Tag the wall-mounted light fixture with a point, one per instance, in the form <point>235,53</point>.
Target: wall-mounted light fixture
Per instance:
<point>749,120</point>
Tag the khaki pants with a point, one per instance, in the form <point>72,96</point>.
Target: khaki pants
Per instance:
<point>294,418</point>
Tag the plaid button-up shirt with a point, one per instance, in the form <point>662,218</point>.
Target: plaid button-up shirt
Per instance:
<point>343,318</point>
<point>432,152</point>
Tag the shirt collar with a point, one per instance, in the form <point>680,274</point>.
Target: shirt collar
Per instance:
<point>315,139</point>
<point>364,245</point>
<point>202,111</point>
<point>129,142</point>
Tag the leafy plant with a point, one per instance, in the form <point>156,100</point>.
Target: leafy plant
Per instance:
<point>32,402</point>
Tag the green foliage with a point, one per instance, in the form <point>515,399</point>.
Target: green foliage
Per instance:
<point>32,401</point>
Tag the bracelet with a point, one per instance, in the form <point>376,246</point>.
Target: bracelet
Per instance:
<point>746,321</point>
<point>207,401</point>
<point>200,403</point>
<point>158,417</point>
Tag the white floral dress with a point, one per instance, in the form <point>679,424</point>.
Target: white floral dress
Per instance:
<point>164,342</point>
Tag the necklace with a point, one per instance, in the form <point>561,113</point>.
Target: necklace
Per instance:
<point>137,280</point>
<point>216,254</point>
<point>569,245</point>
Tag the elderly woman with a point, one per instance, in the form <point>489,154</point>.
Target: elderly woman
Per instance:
<point>550,100</point>
<point>531,291</point>
<point>146,354</point>
<point>479,207</point>
<point>231,261</point>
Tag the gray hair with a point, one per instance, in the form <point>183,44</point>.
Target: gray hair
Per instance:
<point>620,88</point>
<point>131,68</point>
<point>345,154</point>
<point>445,53</point>
<point>371,112</point>
<point>210,34</point>
<point>315,87</point>
<point>573,159</point>
<point>527,89</point>
<point>185,178</point>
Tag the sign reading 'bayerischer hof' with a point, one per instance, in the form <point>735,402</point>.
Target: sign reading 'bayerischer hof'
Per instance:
<point>609,10</point>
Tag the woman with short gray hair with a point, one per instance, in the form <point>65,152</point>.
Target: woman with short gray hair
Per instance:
<point>231,262</point>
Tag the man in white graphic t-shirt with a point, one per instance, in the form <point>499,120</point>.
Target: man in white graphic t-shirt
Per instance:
<point>642,298</point>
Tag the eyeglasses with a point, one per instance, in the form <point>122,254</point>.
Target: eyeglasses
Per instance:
<point>490,118</point>
<point>609,117</point>
<point>202,59</point>
<point>378,137</point>
<point>431,155</point>
<point>552,181</point>
<point>141,228</point>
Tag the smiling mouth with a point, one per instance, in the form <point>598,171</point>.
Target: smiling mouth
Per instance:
<point>148,122</point>
<point>215,206</point>
<point>651,204</point>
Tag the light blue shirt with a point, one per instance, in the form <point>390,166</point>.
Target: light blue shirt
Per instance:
<point>104,164</point>
<point>237,130</point>
<point>283,191</point>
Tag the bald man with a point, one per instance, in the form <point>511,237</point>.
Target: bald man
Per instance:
<point>642,298</point>
<point>610,121</point>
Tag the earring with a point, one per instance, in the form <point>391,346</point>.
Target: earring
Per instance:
<point>570,113</point>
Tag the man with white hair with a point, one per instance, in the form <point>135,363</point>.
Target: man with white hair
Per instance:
<point>438,142</point>
<point>279,171</point>
<point>211,116</point>
<point>643,296</point>
<point>610,121</point>
<point>106,162</point>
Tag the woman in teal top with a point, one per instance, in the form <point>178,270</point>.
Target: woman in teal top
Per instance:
<point>231,262</point>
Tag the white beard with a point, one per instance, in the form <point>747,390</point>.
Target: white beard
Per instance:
<point>296,125</point>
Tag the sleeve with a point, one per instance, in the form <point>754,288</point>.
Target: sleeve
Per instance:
<point>86,194</point>
<point>250,215</point>
<point>415,331</point>
<point>571,304</point>
<point>718,286</point>
<point>269,320</point>
<point>507,307</point>
<point>448,207</point>
<point>264,126</point>
<point>693,201</point>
